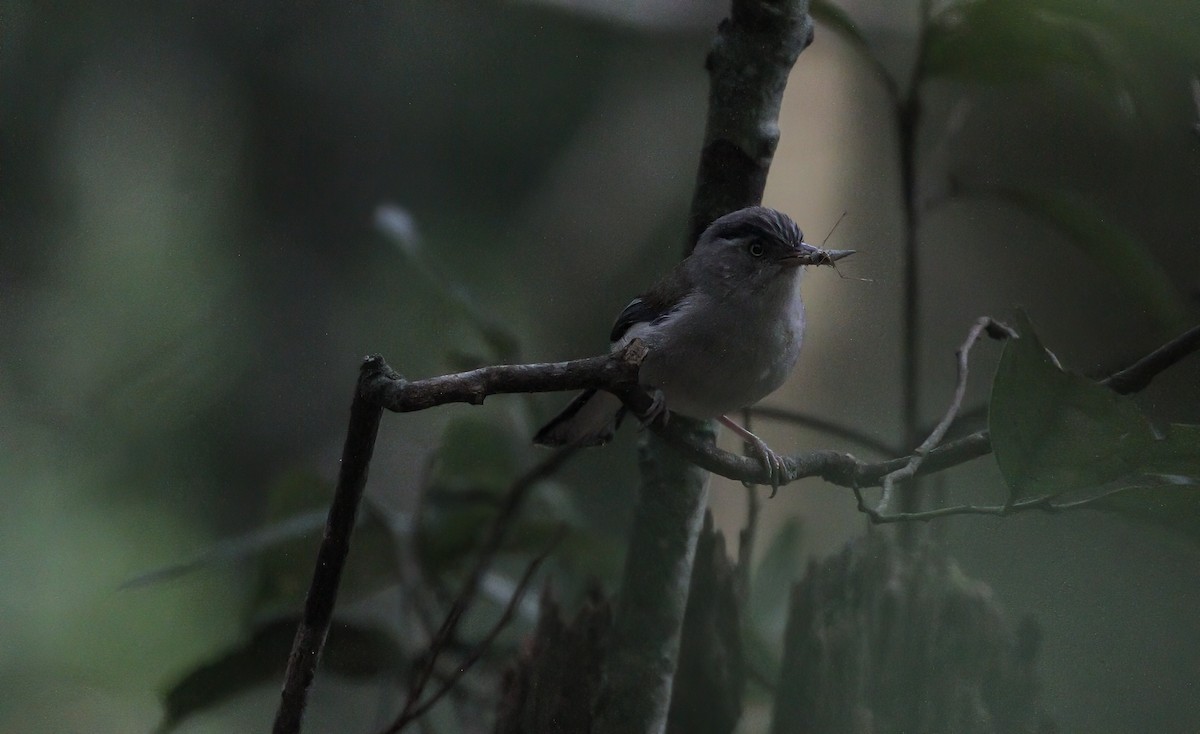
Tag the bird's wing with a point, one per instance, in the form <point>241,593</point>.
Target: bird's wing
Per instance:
<point>655,304</point>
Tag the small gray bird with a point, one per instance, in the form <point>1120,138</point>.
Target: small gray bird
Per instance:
<point>723,330</point>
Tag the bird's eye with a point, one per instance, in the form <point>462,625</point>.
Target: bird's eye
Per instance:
<point>755,249</point>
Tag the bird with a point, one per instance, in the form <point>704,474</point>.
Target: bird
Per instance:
<point>723,330</point>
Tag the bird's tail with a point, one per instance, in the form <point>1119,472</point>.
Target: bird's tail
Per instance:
<point>590,420</point>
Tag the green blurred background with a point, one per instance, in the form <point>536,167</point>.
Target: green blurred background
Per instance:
<point>192,264</point>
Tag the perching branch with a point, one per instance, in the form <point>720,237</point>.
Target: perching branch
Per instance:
<point>617,374</point>
<point>380,387</point>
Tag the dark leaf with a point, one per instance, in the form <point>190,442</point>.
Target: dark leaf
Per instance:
<point>233,549</point>
<point>352,651</point>
<point>1053,432</point>
<point>286,568</point>
<point>475,462</point>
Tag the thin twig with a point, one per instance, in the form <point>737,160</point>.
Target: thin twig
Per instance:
<point>489,548</point>
<point>907,114</point>
<point>413,710</point>
<point>1044,503</point>
<point>1138,375</point>
<point>983,325</point>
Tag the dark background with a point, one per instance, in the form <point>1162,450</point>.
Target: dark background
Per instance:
<point>190,270</point>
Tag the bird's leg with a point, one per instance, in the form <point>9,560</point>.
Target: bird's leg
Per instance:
<point>658,408</point>
<point>774,462</point>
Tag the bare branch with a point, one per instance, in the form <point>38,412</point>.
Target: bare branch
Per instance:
<point>412,710</point>
<point>489,548</point>
<point>1138,375</point>
<point>401,396</point>
<point>1045,503</point>
<point>983,325</point>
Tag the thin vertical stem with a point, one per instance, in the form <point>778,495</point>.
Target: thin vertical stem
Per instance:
<point>908,119</point>
<point>365,414</point>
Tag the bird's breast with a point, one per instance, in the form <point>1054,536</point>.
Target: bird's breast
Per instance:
<point>714,358</point>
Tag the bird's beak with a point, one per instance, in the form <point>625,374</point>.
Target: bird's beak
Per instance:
<point>806,254</point>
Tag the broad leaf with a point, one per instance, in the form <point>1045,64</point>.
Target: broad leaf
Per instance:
<point>475,462</point>
<point>1054,432</point>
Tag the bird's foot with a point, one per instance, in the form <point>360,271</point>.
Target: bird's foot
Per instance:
<point>775,464</point>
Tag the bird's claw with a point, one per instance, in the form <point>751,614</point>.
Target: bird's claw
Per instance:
<point>775,464</point>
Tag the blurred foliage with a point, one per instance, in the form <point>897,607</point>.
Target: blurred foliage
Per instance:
<point>770,596</point>
<point>352,651</point>
<point>1129,260</point>
<point>990,41</point>
<point>285,568</point>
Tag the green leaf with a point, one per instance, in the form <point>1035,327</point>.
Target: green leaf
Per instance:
<point>398,225</point>
<point>286,547</point>
<point>475,462</point>
<point>1124,255</point>
<point>237,548</point>
<point>352,651</point>
<point>1002,41</point>
<point>1053,432</point>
